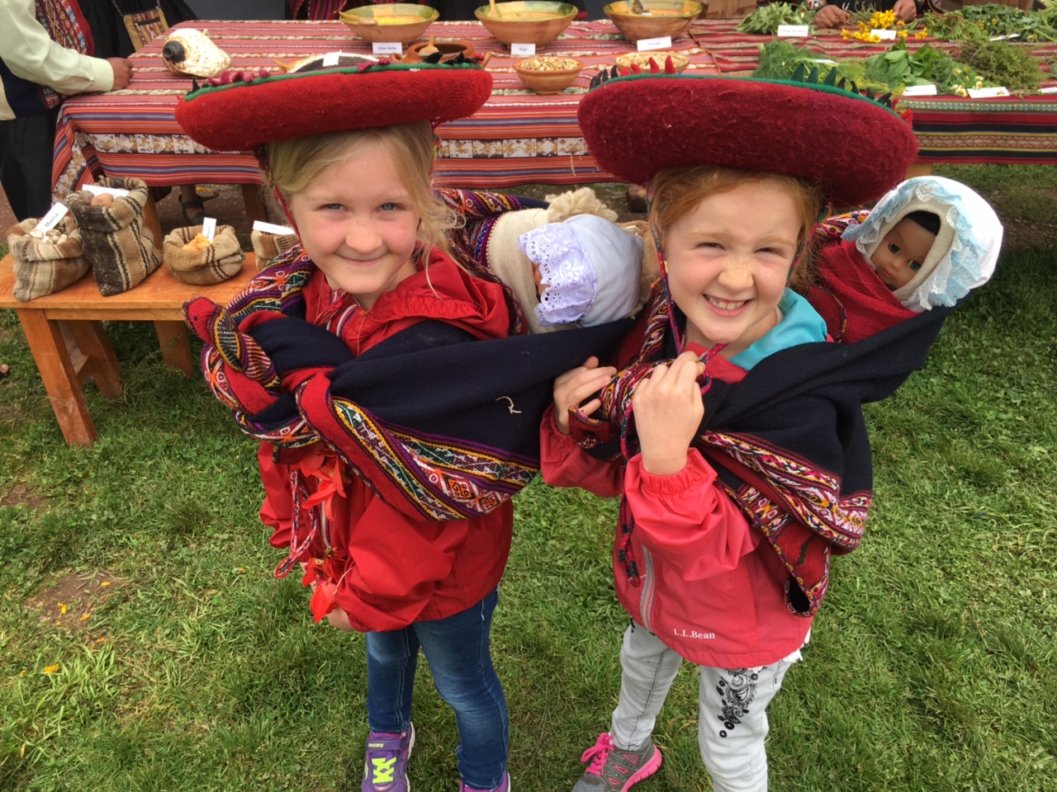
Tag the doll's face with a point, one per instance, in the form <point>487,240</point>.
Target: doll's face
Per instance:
<point>538,279</point>
<point>729,261</point>
<point>900,254</point>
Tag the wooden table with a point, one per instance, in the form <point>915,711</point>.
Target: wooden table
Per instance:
<point>517,137</point>
<point>65,335</point>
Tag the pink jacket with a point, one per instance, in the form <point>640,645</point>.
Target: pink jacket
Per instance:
<point>711,587</point>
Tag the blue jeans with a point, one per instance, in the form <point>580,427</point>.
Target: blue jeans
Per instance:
<point>458,652</point>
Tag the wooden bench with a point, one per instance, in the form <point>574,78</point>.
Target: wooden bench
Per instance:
<point>69,344</point>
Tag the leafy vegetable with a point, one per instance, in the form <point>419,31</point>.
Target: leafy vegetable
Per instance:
<point>1001,63</point>
<point>766,19</point>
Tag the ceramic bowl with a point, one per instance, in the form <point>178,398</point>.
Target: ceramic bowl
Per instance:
<point>536,22</point>
<point>679,60</point>
<point>403,22</point>
<point>548,74</point>
<point>661,18</point>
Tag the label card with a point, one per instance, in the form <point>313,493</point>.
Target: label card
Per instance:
<point>793,31</point>
<point>271,228</point>
<point>209,228</point>
<point>96,189</point>
<point>1050,89</point>
<point>658,43</point>
<point>920,90</point>
<point>523,50</point>
<point>331,59</point>
<point>883,34</point>
<point>51,218</point>
<point>987,93</point>
<point>387,48</point>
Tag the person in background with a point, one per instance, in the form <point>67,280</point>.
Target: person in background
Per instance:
<point>46,53</point>
<point>317,9</point>
<point>833,15</point>
<point>110,23</point>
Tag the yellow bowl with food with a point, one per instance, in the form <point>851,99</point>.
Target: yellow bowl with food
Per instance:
<point>648,19</point>
<point>548,74</point>
<point>536,22</point>
<point>680,60</point>
<point>403,22</point>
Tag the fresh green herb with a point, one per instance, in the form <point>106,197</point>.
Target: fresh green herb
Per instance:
<point>991,20</point>
<point>766,19</point>
<point>1002,63</point>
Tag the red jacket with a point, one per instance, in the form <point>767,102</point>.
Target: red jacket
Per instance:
<point>382,568</point>
<point>711,587</point>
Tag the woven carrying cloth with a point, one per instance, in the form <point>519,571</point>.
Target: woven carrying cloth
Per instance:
<point>441,426</point>
<point>789,440</point>
<point>852,147</point>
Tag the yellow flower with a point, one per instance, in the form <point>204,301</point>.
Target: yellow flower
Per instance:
<point>51,669</point>
<point>63,607</point>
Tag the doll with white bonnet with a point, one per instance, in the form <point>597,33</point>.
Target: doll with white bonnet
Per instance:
<point>927,243</point>
<point>571,264</point>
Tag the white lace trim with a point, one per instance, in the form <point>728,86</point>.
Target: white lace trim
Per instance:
<point>566,271</point>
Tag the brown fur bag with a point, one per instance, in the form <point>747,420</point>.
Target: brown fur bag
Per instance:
<point>116,240</point>
<point>203,263</point>
<point>48,264</point>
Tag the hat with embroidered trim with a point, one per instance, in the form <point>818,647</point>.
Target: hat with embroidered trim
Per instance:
<point>853,147</point>
<point>240,111</point>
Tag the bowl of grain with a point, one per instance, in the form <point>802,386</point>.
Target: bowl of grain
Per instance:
<point>548,74</point>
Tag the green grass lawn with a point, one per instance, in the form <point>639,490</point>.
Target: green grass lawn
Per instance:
<point>144,644</point>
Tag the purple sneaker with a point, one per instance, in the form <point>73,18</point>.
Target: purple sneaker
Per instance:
<point>385,761</point>
<point>504,786</point>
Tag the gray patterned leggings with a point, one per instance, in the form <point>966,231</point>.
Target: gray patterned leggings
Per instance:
<point>732,709</point>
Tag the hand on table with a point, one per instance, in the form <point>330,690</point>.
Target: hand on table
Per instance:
<point>122,72</point>
<point>832,16</point>
<point>906,10</point>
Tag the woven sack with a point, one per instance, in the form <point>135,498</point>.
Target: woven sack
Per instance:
<point>117,241</point>
<point>45,266</point>
<point>211,264</point>
<point>269,246</point>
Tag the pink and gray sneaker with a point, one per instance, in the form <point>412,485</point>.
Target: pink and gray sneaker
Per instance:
<point>385,761</point>
<point>614,770</point>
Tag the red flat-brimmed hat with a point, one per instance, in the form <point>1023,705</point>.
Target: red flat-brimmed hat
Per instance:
<point>242,112</point>
<point>851,146</point>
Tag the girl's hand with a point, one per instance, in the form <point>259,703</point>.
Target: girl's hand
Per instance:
<point>668,409</point>
<point>577,384</point>
<point>340,619</point>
